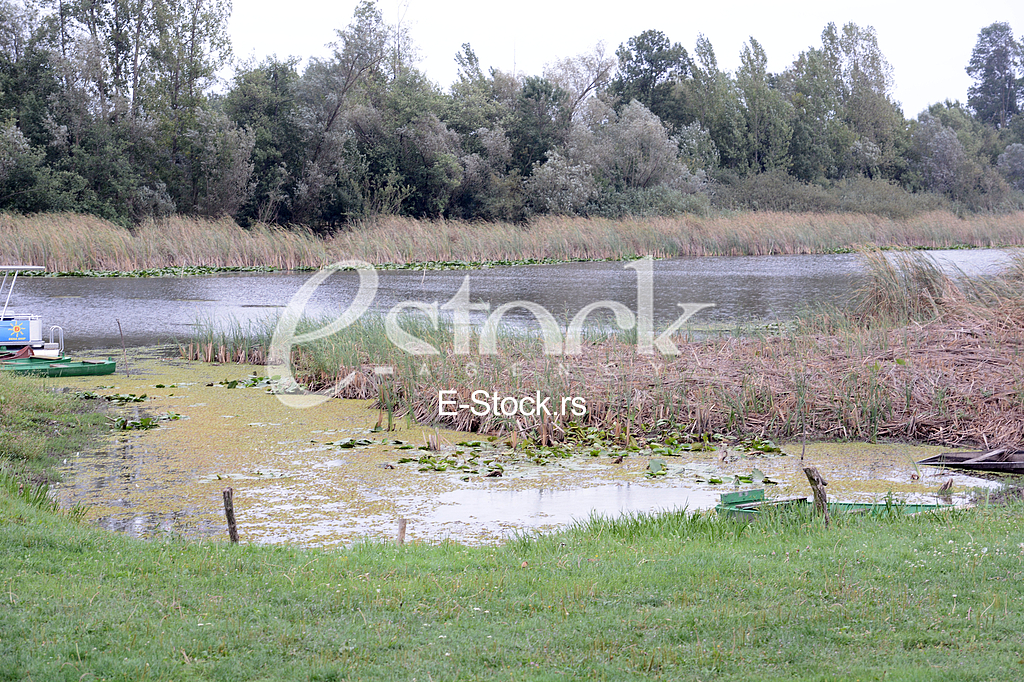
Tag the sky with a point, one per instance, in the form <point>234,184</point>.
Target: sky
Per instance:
<point>927,47</point>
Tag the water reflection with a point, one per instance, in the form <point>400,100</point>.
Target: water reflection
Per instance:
<point>487,511</point>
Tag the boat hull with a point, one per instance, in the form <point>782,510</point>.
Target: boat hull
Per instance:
<point>60,367</point>
<point>748,505</point>
<point>999,461</point>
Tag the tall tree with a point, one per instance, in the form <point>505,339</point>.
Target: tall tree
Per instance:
<point>768,114</point>
<point>995,67</point>
<point>581,76</point>
<point>540,124</point>
<point>263,101</point>
<point>649,66</point>
<point>868,109</point>
<point>327,93</point>
<point>716,105</point>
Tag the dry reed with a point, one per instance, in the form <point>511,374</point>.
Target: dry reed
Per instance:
<point>69,242</point>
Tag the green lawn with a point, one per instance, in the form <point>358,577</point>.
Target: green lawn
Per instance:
<point>935,597</point>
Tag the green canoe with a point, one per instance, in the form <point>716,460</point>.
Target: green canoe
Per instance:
<point>749,504</point>
<point>58,367</point>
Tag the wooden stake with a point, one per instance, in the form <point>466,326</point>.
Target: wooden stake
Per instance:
<point>124,350</point>
<point>401,531</point>
<point>229,512</point>
<point>818,486</point>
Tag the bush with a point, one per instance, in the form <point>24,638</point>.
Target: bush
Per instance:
<point>771,191</point>
<point>651,201</point>
<point>779,191</point>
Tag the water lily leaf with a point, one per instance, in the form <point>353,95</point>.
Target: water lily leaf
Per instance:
<point>656,467</point>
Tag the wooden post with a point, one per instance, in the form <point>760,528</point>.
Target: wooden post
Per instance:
<point>401,531</point>
<point>229,511</point>
<point>818,486</point>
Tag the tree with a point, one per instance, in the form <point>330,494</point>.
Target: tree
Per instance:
<point>223,165</point>
<point>358,53</point>
<point>190,45</point>
<point>813,89</point>
<point>13,149</point>
<point>942,161</point>
<point>846,122</point>
<point>867,107</point>
<point>540,124</point>
<point>614,163</point>
<point>649,66</point>
<point>17,23</point>
<point>715,104</point>
<point>582,76</point>
<point>1011,165</point>
<point>768,114</point>
<point>326,94</point>
<point>263,101</point>
<point>484,111</point>
<point>995,67</point>
<point>477,101</point>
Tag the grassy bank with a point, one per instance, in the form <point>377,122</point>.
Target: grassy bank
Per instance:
<point>673,596</point>
<point>916,356</point>
<point>67,243</point>
<point>39,426</point>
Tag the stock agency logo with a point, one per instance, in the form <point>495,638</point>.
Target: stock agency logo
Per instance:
<point>460,307</point>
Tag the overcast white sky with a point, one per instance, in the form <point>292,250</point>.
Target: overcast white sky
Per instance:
<point>927,46</point>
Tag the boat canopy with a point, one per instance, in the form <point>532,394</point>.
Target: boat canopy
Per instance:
<point>18,329</point>
<point>15,269</point>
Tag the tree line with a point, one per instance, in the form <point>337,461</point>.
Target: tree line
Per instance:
<point>109,107</point>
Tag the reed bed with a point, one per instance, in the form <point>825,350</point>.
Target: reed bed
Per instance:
<point>69,242</point>
<point>398,240</point>
<point>916,356</point>
<point>65,242</point>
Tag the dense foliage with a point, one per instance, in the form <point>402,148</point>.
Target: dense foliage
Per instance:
<point>109,107</point>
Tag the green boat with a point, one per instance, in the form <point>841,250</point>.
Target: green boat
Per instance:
<point>747,505</point>
<point>22,349</point>
<point>59,367</point>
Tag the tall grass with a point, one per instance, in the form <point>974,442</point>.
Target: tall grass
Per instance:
<point>397,240</point>
<point>68,242</point>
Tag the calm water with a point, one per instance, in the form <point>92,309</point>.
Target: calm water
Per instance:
<point>743,289</point>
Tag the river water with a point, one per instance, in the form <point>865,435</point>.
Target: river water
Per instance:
<point>743,289</point>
